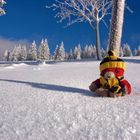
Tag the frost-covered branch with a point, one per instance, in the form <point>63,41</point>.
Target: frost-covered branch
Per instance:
<point>74,11</point>
<point>90,11</point>
<point>2,12</point>
<point>128,8</point>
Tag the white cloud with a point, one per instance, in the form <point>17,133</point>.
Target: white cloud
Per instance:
<point>9,44</point>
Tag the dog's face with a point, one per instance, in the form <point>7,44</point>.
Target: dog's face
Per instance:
<point>109,75</point>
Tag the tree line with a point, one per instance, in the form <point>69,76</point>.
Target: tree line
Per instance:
<point>42,53</point>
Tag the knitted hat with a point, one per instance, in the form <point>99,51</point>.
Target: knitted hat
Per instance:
<point>111,61</point>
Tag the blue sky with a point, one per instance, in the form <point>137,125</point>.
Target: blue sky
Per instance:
<point>28,20</point>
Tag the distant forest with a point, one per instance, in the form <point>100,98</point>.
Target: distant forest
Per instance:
<point>42,53</point>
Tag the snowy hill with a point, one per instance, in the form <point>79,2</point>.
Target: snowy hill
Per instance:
<point>52,102</point>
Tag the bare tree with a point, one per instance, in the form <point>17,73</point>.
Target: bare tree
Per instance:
<point>91,11</point>
<point>2,12</point>
<point>116,25</point>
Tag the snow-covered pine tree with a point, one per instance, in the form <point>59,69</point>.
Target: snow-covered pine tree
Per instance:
<point>121,52</point>
<point>127,50</point>
<point>77,52</point>
<point>2,11</point>
<point>66,56</point>
<point>18,52</point>
<point>6,56</point>
<point>94,54</point>
<point>71,54</point>
<point>62,51</point>
<point>85,52</point>
<point>40,51</point>
<point>56,53</point>
<point>135,52</point>
<point>33,51</point>
<point>89,51</point>
<point>29,57</point>
<point>44,52</point>
<point>47,49</point>
<point>14,54</point>
<point>103,52</point>
<point>23,53</point>
<point>138,51</point>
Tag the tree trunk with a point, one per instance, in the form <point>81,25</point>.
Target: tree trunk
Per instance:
<point>98,50</point>
<point>116,25</point>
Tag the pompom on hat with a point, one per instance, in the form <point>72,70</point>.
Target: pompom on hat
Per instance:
<point>113,63</point>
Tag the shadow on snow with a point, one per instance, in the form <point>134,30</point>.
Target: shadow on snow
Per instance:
<point>52,87</point>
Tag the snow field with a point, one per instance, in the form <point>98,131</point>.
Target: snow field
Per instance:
<point>52,102</point>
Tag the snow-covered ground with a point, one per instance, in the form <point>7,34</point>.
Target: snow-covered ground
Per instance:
<point>52,102</point>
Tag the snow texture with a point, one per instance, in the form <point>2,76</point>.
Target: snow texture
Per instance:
<point>52,102</point>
